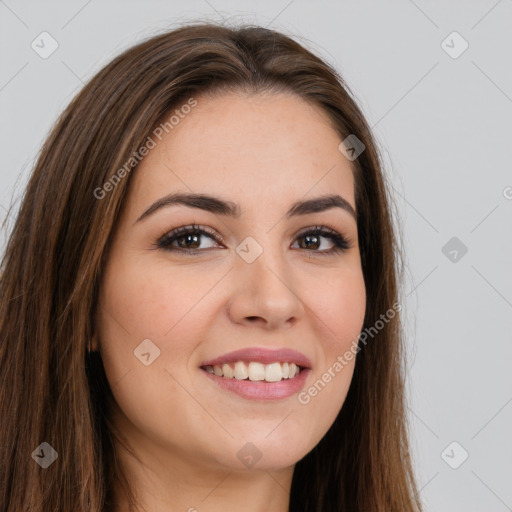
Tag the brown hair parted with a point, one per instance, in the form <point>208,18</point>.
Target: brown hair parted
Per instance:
<point>53,391</point>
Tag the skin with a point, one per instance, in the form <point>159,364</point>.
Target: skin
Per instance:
<point>264,152</point>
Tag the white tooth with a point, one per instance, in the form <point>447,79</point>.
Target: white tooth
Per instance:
<point>256,371</point>
<point>273,372</point>
<point>240,371</point>
<point>227,371</point>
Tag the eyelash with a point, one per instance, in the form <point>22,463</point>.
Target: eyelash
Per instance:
<point>341,243</point>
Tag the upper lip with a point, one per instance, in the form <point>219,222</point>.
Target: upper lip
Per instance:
<point>261,355</point>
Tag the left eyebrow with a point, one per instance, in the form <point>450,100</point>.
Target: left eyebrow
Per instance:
<point>228,208</point>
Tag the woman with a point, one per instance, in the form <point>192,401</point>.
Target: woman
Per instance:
<point>143,370</point>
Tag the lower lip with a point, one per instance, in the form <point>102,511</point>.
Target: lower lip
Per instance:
<point>262,390</point>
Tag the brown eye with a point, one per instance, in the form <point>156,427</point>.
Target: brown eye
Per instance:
<point>313,238</point>
<point>187,238</point>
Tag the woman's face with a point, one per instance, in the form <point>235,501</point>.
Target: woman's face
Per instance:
<point>255,281</point>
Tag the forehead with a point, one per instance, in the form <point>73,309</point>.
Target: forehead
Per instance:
<point>251,148</point>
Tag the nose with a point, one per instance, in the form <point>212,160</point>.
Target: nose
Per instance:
<point>263,293</point>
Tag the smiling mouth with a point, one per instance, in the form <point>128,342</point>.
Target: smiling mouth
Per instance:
<point>254,371</point>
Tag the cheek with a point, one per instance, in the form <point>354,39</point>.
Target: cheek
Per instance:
<point>340,306</point>
<point>152,302</point>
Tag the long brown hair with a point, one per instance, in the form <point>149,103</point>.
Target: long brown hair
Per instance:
<point>54,391</point>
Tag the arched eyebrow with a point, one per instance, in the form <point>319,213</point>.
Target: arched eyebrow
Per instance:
<point>220,206</point>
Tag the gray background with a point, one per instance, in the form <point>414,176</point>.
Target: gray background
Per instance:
<point>444,125</point>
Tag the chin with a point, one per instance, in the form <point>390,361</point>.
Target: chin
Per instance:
<point>258,452</point>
